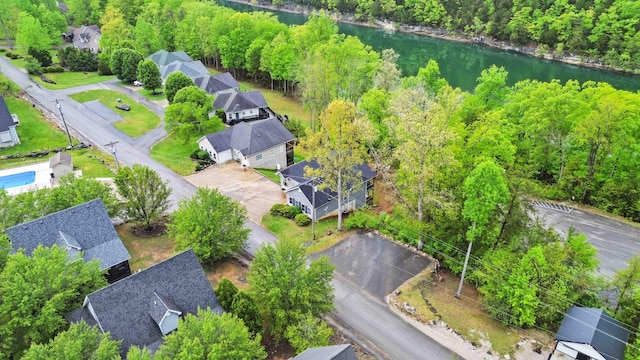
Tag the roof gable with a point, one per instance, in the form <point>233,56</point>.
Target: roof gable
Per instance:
<point>123,308</point>
<point>192,69</point>
<point>5,116</point>
<point>163,57</point>
<point>60,157</point>
<point>251,137</point>
<point>595,327</point>
<point>214,84</point>
<point>236,101</point>
<point>86,226</point>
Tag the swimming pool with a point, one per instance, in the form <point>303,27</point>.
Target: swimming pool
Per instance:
<point>15,180</point>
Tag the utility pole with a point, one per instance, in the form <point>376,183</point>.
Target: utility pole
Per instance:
<point>66,129</point>
<point>314,188</point>
<point>112,146</point>
<point>464,269</point>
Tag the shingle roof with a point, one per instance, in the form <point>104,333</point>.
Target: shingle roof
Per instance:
<point>240,100</point>
<point>5,116</point>
<point>84,36</point>
<point>192,69</point>
<point>122,308</point>
<point>214,84</point>
<point>87,225</point>
<point>60,158</point>
<point>251,137</point>
<point>334,352</point>
<point>594,327</point>
<point>163,57</point>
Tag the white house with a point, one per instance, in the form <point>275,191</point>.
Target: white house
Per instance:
<point>265,144</point>
<point>8,122</point>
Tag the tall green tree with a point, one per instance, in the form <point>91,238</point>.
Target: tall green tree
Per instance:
<point>37,292</point>
<point>225,291</point>
<point>149,74</point>
<point>174,82</point>
<point>145,37</point>
<point>210,223</point>
<point>309,331</point>
<point>145,195</point>
<point>80,341</point>
<point>72,191</point>
<point>32,34</point>
<point>285,287</point>
<point>209,336</point>
<point>338,147</point>
<point>124,64</point>
<point>116,32</point>
<point>244,306</point>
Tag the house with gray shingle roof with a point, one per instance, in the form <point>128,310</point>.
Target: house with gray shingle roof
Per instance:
<point>299,190</point>
<point>86,37</point>
<point>163,57</point>
<point>193,69</point>
<point>8,122</point>
<point>242,106</point>
<point>333,352</point>
<point>590,333</point>
<point>217,84</point>
<point>83,230</point>
<point>142,308</point>
<point>265,144</point>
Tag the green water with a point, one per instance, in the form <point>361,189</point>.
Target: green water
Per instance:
<point>461,63</point>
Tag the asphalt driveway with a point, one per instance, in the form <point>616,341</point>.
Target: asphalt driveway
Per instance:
<point>250,188</point>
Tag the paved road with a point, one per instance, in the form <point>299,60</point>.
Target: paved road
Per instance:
<point>368,268</point>
<point>616,241</point>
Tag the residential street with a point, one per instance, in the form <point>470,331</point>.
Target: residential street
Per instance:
<point>371,315</point>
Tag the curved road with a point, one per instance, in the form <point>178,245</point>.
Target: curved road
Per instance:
<point>361,312</point>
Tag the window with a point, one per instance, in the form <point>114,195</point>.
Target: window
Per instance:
<point>258,157</point>
<point>271,152</point>
<point>291,201</point>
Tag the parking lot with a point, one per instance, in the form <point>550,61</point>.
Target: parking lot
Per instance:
<point>248,187</point>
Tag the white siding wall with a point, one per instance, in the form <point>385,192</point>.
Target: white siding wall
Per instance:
<point>169,322</point>
<point>270,158</point>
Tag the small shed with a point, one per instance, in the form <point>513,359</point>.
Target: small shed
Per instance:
<point>590,333</point>
<point>60,164</point>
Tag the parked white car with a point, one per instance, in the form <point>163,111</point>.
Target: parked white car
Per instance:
<point>137,83</point>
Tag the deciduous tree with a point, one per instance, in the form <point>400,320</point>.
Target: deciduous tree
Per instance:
<point>174,82</point>
<point>37,292</point>
<point>286,287</point>
<point>209,336</point>
<point>309,331</point>
<point>146,196</point>
<point>210,223</point>
<point>225,291</point>
<point>338,147</point>
<point>124,64</point>
<point>73,191</point>
<point>80,341</point>
<point>149,74</point>
<point>244,306</point>
<point>31,34</point>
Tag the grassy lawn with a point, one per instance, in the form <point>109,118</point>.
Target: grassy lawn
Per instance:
<point>36,133</point>
<point>88,160</point>
<point>69,79</point>
<point>144,251</point>
<point>174,154</point>
<point>137,122</point>
<point>160,95</point>
<point>270,174</point>
<point>465,315</point>
<point>287,229</point>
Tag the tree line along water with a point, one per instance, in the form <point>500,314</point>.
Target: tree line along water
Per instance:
<point>460,62</point>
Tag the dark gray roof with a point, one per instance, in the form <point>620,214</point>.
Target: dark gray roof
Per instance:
<point>594,327</point>
<point>87,225</point>
<point>296,172</point>
<point>60,158</point>
<point>334,352</point>
<point>163,57</point>
<point>240,100</point>
<point>192,69</point>
<point>122,308</point>
<point>5,116</point>
<point>251,137</point>
<point>216,83</point>
<point>84,36</point>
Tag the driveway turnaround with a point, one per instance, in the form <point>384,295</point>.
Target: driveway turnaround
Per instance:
<point>616,241</point>
<point>368,268</point>
<point>248,187</point>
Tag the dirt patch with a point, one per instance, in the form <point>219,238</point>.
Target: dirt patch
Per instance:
<point>230,268</point>
<point>384,195</point>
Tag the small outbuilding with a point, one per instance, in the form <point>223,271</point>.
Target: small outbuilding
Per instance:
<point>590,334</point>
<point>60,164</point>
<point>333,352</point>
<point>8,123</point>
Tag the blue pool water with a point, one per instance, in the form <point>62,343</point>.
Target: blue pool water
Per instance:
<point>15,180</point>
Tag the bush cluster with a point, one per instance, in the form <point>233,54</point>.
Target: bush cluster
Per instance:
<point>302,220</point>
<point>11,55</point>
<point>285,211</point>
<point>53,69</point>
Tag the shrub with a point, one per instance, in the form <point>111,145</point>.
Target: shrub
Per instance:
<point>32,65</point>
<point>225,291</point>
<point>245,307</point>
<point>203,155</point>
<point>43,56</point>
<point>53,69</point>
<point>302,220</point>
<point>285,211</point>
<point>2,50</point>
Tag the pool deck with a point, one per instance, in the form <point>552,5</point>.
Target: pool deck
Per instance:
<point>42,180</point>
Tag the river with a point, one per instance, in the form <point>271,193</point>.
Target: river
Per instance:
<point>460,63</point>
